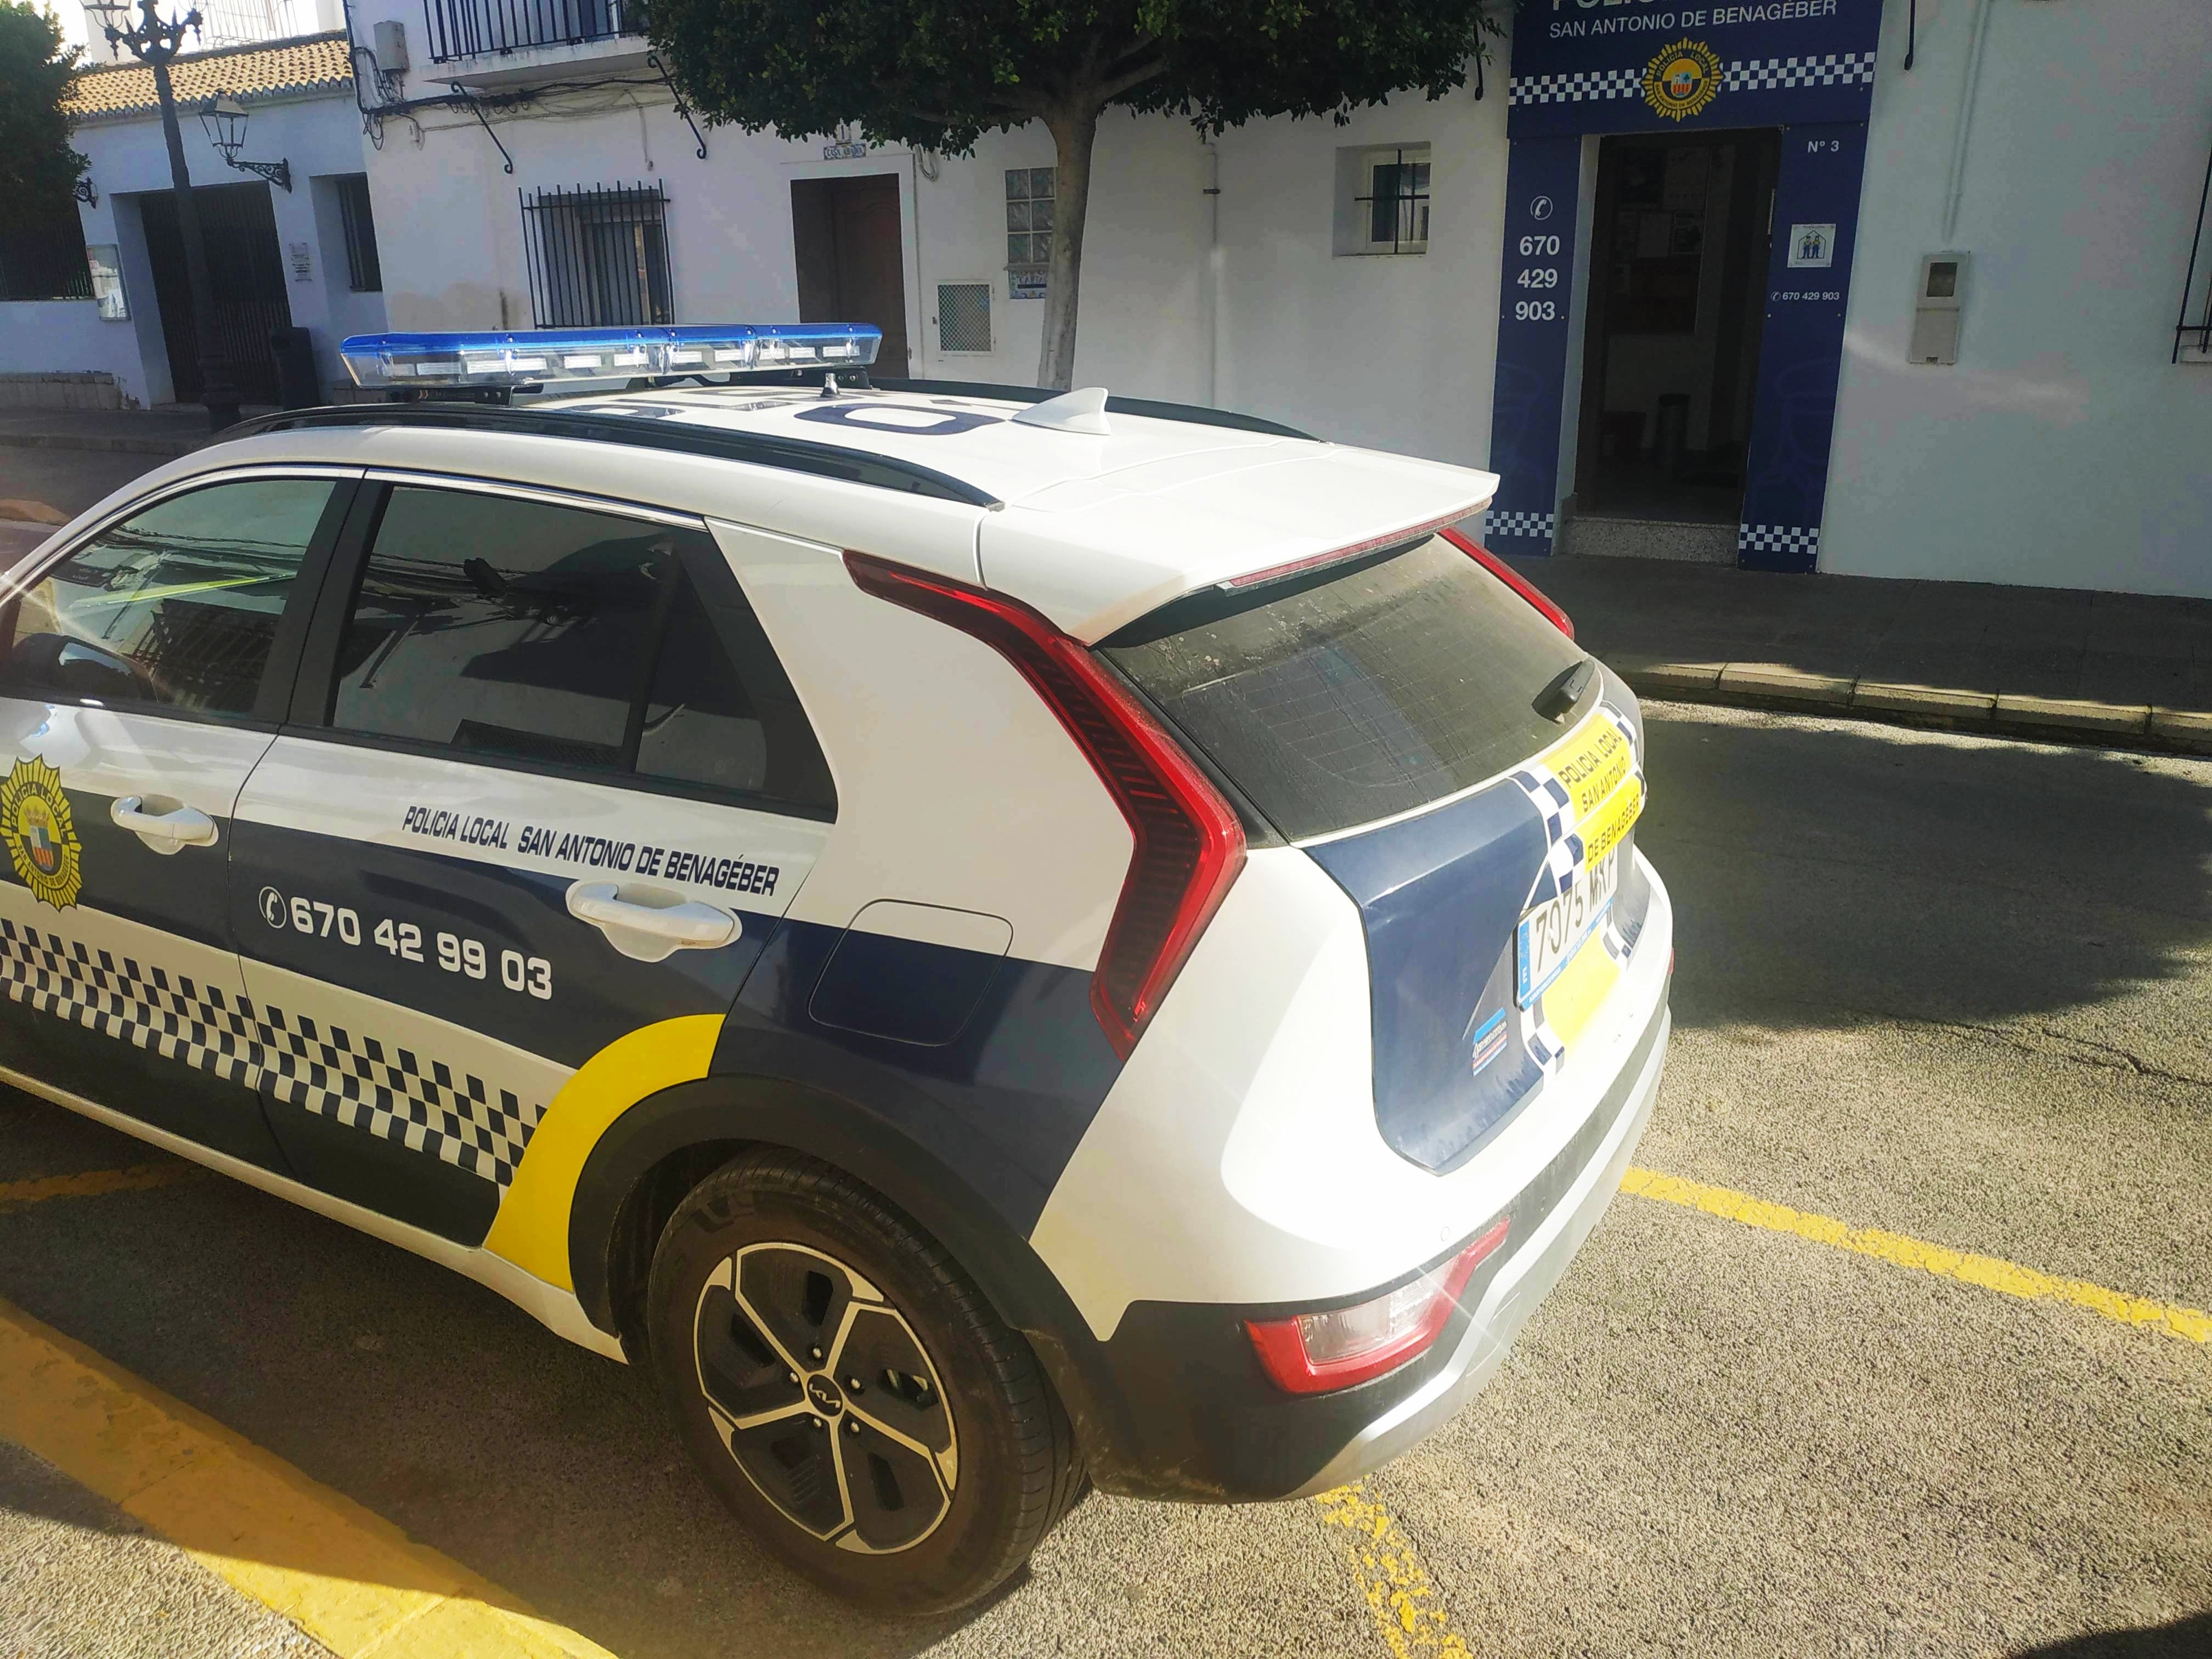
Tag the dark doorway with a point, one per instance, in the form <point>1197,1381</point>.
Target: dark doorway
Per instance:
<point>845,234</point>
<point>245,270</point>
<point>1678,278</point>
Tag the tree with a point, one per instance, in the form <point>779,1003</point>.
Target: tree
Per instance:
<point>37,166</point>
<point>939,73</point>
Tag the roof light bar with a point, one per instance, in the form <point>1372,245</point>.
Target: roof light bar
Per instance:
<point>538,356</point>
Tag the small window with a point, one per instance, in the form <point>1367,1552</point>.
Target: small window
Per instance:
<point>176,606</point>
<point>1382,200</point>
<point>527,631</point>
<point>1028,217</point>
<point>963,316</point>
<point>364,275</point>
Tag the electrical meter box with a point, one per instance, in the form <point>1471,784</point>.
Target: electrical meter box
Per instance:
<point>391,39</point>
<point>1936,309</point>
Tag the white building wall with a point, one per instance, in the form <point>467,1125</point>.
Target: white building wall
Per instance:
<point>44,337</point>
<point>319,136</point>
<point>2063,449</point>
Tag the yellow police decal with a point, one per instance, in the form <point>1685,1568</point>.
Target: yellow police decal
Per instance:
<point>42,843</point>
<point>1682,79</point>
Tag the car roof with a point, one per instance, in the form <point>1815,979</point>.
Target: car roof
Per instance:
<point>1092,529</point>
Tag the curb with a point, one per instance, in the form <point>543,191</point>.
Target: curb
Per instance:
<point>163,446</point>
<point>2075,720</point>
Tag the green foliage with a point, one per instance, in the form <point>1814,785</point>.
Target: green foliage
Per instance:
<point>37,166</point>
<point>940,73</point>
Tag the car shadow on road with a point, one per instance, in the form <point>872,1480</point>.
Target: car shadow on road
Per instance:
<point>439,1407</point>
<point>2185,1638</point>
<point>1823,873</point>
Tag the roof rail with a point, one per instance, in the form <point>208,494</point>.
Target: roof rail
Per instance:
<point>1195,414</point>
<point>755,449</point>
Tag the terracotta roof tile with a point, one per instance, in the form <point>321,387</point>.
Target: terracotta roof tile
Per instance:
<point>311,63</point>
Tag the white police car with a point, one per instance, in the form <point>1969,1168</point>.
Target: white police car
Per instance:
<point>990,941</point>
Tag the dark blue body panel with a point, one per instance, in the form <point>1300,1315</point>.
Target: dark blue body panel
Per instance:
<point>1004,1098</point>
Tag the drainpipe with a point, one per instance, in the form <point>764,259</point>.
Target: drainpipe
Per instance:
<point>1212,270</point>
<point>1956,185</point>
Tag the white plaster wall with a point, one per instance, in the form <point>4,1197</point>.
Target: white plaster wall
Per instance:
<point>69,337</point>
<point>2062,449</point>
<point>317,135</point>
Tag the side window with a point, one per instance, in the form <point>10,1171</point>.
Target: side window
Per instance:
<point>176,606</point>
<point>517,628</point>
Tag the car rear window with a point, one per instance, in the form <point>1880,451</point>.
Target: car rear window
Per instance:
<point>1359,692</point>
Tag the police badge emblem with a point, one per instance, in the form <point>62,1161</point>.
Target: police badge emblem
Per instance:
<point>42,843</point>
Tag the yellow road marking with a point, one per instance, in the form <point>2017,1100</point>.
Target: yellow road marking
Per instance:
<point>136,1177</point>
<point>354,1582</point>
<point>1397,1588</point>
<point>1988,1272</point>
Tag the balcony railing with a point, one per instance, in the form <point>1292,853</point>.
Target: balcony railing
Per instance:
<point>477,28</point>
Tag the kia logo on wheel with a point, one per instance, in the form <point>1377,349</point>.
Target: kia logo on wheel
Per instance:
<point>272,907</point>
<point>825,1394</point>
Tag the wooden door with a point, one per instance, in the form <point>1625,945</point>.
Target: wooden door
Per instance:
<point>850,251</point>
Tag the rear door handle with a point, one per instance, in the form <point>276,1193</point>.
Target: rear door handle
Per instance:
<point>650,925</point>
<point>165,832</point>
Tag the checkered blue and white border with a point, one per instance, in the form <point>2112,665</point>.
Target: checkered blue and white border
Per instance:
<point>1836,68</point>
<point>1778,538</point>
<point>360,1082</point>
<point>1537,526</point>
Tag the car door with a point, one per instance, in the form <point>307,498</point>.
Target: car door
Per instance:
<point>545,791</point>
<point>145,671</point>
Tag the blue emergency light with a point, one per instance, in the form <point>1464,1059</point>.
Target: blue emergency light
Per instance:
<point>535,357</point>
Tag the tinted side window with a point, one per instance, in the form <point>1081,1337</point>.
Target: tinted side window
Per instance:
<point>176,606</point>
<point>502,626</point>
<point>512,627</point>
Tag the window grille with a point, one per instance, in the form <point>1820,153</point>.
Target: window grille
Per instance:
<point>44,260</point>
<point>963,316</point>
<point>364,274</point>
<point>1396,204</point>
<point>471,29</point>
<point>598,256</point>
<point>1028,217</point>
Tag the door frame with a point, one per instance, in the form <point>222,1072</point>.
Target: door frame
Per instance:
<point>901,164</point>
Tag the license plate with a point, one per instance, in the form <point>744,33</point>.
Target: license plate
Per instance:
<point>1550,934</point>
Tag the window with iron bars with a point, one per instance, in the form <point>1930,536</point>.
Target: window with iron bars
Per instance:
<point>471,29</point>
<point>1394,203</point>
<point>364,272</point>
<point>598,256</point>
<point>44,259</point>
<point>2192,333</point>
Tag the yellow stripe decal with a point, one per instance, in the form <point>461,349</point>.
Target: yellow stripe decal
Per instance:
<point>532,1229</point>
<point>1590,762</point>
<point>135,1178</point>
<point>354,1582</point>
<point>1571,1000</point>
<point>1394,1583</point>
<point>1990,1274</point>
<point>1603,830</point>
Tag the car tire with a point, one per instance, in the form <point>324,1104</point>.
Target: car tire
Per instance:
<point>778,1284</point>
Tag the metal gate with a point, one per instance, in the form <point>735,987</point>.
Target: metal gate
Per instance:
<point>245,271</point>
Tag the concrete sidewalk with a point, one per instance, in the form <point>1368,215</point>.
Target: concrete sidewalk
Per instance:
<point>2116,668</point>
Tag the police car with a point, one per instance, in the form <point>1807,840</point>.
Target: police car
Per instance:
<point>996,942</point>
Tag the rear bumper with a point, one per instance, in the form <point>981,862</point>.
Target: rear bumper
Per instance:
<point>1523,1282</point>
<point>1194,1418</point>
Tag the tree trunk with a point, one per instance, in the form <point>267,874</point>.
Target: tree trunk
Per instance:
<point>1074,135</point>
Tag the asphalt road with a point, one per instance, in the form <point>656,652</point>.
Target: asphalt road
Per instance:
<point>1954,989</point>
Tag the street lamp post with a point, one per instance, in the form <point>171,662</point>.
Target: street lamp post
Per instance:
<point>153,43</point>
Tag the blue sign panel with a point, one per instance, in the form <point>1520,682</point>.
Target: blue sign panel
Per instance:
<point>1583,66</point>
<point>1801,348</point>
<point>1542,176</point>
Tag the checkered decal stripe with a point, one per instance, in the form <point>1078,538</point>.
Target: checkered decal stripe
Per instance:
<point>1837,69</point>
<point>1538,525</point>
<point>1778,538</point>
<point>360,1082</point>
<point>1580,86</point>
<point>1840,68</point>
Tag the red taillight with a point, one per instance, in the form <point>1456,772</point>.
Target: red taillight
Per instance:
<point>1312,1353</point>
<point>1512,578</point>
<point>1189,846</point>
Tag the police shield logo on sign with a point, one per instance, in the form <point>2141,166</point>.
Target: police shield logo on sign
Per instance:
<point>1682,79</point>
